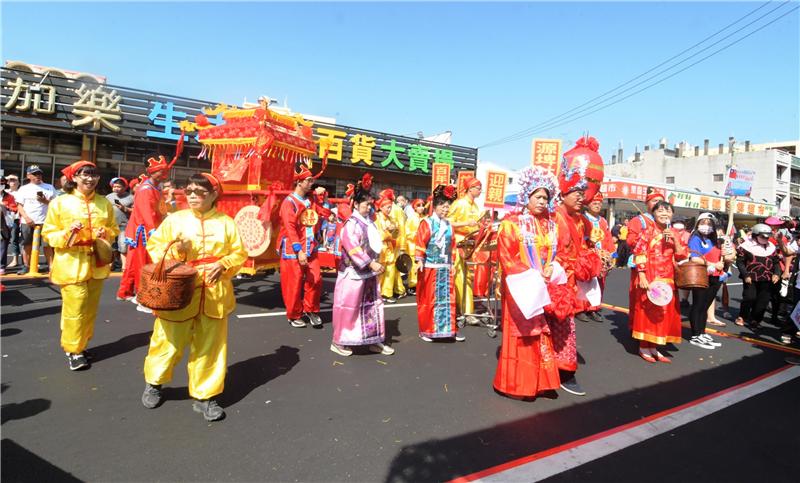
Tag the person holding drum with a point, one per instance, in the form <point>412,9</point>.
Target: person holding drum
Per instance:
<point>209,241</point>
<point>73,224</point>
<point>412,225</point>
<point>390,234</point>
<point>464,216</point>
<point>534,290</point>
<point>436,302</point>
<point>357,304</point>
<point>657,318</point>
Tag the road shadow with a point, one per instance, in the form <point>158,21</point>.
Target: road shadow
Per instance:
<point>392,330</point>
<point>448,458</point>
<point>245,376</point>
<point>121,346</point>
<point>16,316</point>
<point>9,332</point>
<point>21,465</point>
<point>25,409</point>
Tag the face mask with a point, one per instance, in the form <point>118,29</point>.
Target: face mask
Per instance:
<point>705,229</point>
<point>678,226</point>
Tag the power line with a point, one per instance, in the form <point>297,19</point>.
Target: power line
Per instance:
<point>537,127</point>
<point>567,121</point>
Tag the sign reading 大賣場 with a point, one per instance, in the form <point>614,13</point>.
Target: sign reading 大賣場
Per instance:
<point>740,182</point>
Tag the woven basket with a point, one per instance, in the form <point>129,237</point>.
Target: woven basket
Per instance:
<point>691,275</point>
<point>166,285</point>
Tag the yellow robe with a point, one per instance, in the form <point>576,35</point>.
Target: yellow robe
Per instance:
<point>213,234</point>
<point>388,279</point>
<point>412,224</point>
<point>463,209</point>
<point>203,324</point>
<point>74,268</point>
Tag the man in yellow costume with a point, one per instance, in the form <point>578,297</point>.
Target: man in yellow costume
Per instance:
<point>73,222</point>
<point>464,216</point>
<point>390,234</point>
<point>398,217</point>
<point>209,241</point>
<point>412,224</point>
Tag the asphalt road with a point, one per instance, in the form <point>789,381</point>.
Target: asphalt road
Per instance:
<point>298,412</point>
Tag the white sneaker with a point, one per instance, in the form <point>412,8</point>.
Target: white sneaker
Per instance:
<point>381,349</point>
<point>460,338</point>
<point>297,323</point>
<point>425,338</point>
<point>699,342</point>
<point>142,308</point>
<point>709,340</point>
<point>342,351</point>
<point>133,300</point>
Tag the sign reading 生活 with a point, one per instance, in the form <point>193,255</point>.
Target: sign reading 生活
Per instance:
<point>495,189</point>
<point>740,182</point>
<point>86,106</point>
<point>440,174</point>
<point>546,153</point>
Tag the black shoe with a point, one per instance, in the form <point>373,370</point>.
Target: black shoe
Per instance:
<point>151,397</point>
<point>209,409</point>
<point>571,386</point>
<point>412,291</point>
<point>315,320</point>
<point>77,362</point>
<point>583,317</point>
<point>595,316</point>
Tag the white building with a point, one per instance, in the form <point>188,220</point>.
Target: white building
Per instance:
<point>704,169</point>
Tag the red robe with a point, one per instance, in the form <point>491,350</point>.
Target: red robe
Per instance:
<point>436,299</point>
<point>580,263</point>
<point>598,236</point>
<point>148,212</point>
<point>301,286</point>
<point>527,362</point>
<point>650,322</point>
<point>636,226</point>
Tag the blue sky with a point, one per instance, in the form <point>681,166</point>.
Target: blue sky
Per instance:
<point>481,70</point>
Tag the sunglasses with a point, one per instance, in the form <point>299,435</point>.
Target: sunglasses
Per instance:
<point>196,191</point>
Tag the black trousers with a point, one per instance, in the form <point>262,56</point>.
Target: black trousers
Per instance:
<point>701,301</point>
<point>755,297</point>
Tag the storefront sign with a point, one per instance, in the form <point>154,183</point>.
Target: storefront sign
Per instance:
<point>440,175</point>
<point>496,182</point>
<point>626,190</point>
<point>740,182</point>
<point>53,101</point>
<point>546,153</point>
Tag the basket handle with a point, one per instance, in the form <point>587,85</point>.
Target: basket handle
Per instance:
<point>159,273</point>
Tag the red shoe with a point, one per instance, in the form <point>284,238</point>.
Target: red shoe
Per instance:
<point>646,356</point>
<point>662,358</point>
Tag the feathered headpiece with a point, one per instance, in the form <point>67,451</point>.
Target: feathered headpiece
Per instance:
<point>444,192</point>
<point>302,171</point>
<point>532,179</point>
<point>160,163</point>
<point>581,168</point>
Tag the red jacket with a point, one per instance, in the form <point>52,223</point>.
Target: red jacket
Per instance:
<point>295,234</point>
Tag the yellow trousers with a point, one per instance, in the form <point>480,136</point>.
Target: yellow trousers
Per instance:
<point>464,297</point>
<point>389,279</point>
<point>208,350</point>
<point>79,303</point>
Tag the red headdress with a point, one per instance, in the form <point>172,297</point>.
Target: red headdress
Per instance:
<point>73,168</point>
<point>653,194</point>
<point>302,171</point>
<point>120,179</point>
<point>445,193</point>
<point>383,201</point>
<point>473,182</point>
<point>417,202</point>
<point>387,193</point>
<point>581,168</point>
<point>597,197</point>
<point>159,164</point>
<point>215,184</point>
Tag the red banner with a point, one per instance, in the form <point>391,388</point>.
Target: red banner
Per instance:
<point>625,190</point>
<point>546,153</point>
<point>495,189</point>
<point>440,174</point>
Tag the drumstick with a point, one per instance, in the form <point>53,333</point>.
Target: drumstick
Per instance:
<point>72,236</point>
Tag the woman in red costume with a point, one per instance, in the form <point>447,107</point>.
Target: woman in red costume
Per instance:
<point>533,289</point>
<point>655,254</point>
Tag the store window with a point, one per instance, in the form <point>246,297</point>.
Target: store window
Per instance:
<point>670,180</point>
<point>33,142</point>
<point>719,177</point>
